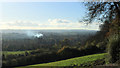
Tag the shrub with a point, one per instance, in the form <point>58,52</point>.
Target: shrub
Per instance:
<point>67,52</point>
<point>102,45</point>
<point>114,48</point>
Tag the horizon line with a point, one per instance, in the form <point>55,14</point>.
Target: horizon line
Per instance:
<point>51,29</point>
<point>59,1</point>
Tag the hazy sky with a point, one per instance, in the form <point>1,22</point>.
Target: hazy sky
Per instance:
<point>43,15</point>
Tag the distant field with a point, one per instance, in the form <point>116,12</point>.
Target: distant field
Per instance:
<point>21,52</point>
<point>13,52</point>
<point>78,61</point>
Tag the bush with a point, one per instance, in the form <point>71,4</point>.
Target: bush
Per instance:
<point>67,52</point>
<point>114,48</point>
<point>102,45</point>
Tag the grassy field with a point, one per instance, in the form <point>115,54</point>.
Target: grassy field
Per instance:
<point>21,52</point>
<point>78,61</point>
<point>13,52</point>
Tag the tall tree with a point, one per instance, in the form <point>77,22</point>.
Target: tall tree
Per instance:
<point>103,11</point>
<point>109,14</point>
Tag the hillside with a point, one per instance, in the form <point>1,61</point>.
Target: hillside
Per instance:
<point>84,61</point>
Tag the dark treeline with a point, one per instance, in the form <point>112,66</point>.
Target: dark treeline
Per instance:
<point>36,57</point>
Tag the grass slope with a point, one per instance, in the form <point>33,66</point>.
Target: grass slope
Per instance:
<point>78,61</point>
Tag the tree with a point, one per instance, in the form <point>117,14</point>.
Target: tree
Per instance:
<point>26,53</point>
<point>103,11</point>
<point>109,14</point>
<point>65,42</point>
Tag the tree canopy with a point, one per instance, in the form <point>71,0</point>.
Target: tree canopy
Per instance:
<point>109,14</point>
<point>103,11</point>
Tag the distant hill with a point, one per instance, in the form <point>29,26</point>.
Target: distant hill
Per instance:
<point>21,34</point>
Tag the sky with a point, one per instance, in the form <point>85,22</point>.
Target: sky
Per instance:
<point>44,15</point>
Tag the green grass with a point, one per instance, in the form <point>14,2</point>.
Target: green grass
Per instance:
<point>13,52</point>
<point>89,59</point>
<point>20,52</point>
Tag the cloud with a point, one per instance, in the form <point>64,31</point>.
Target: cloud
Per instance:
<point>67,24</point>
<point>58,21</point>
<point>50,24</point>
<point>20,23</point>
